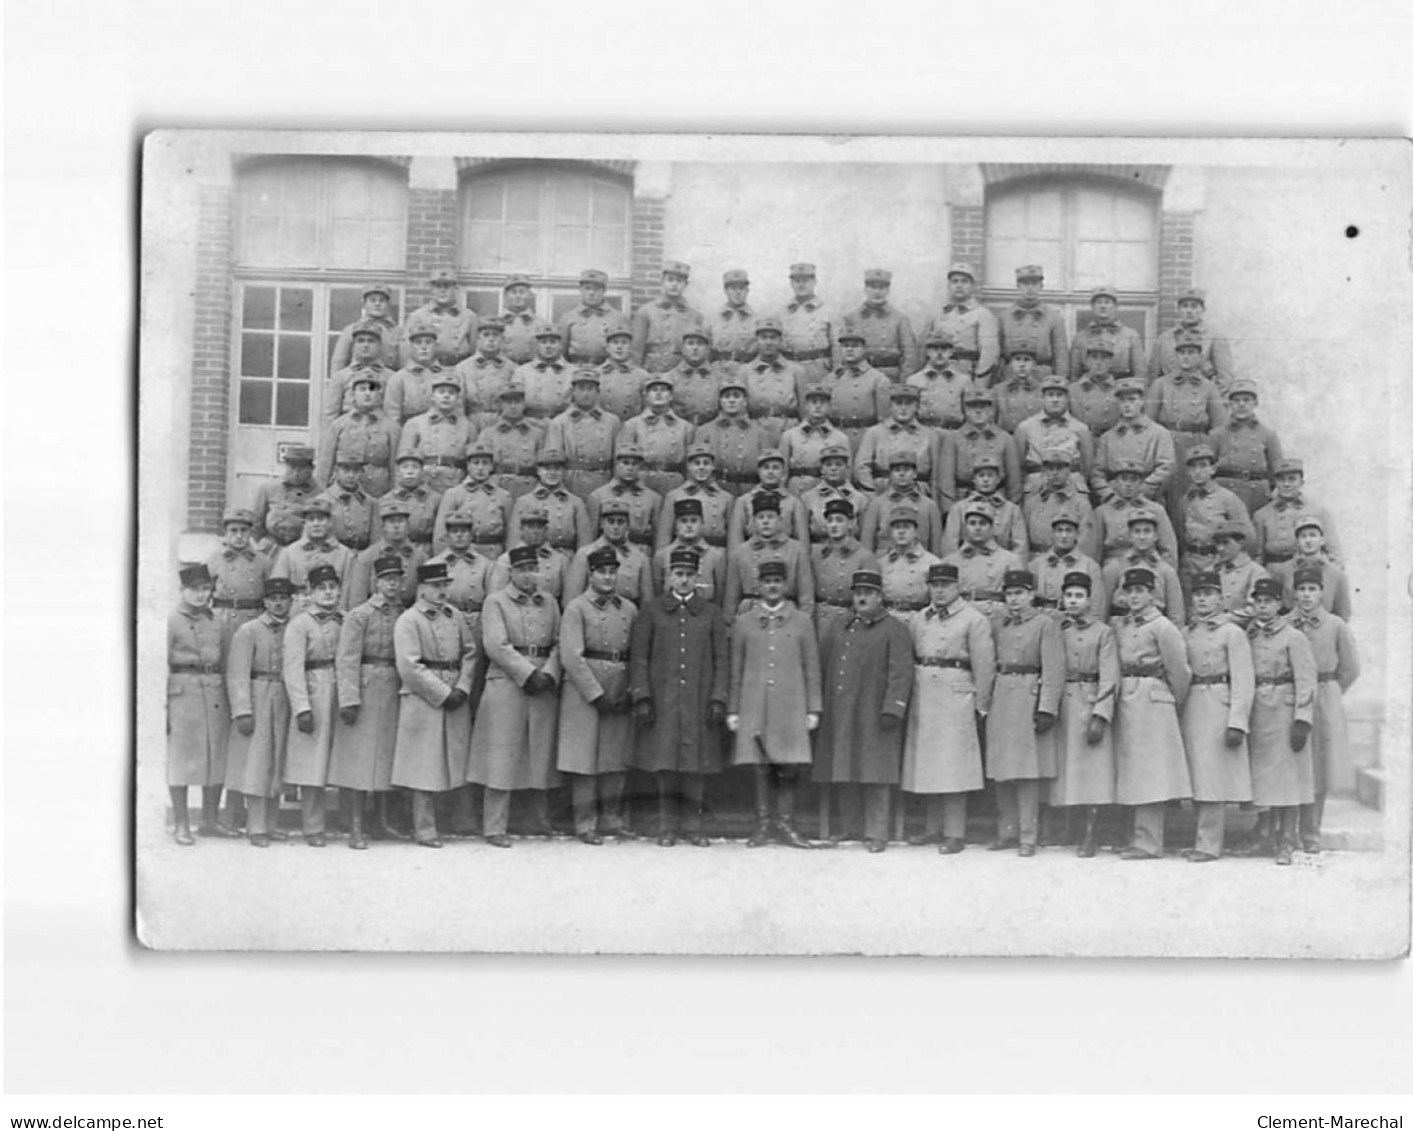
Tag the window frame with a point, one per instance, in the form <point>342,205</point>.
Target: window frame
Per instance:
<point>541,278</point>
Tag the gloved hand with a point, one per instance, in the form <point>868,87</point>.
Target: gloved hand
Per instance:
<point>348,715</point>
<point>1044,722</point>
<point>539,683</point>
<point>889,722</point>
<point>644,713</point>
<point>1299,734</point>
<point>1234,738</point>
<point>245,724</point>
<point>455,701</point>
<point>1094,732</point>
<point>603,705</point>
<point>305,722</point>
<point>716,712</point>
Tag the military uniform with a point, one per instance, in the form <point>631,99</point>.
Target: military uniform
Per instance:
<point>1127,346</point>
<point>904,574</point>
<point>736,443</point>
<point>1051,568</point>
<point>1336,667</point>
<point>279,507</point>
<point>198,712</point>
<point>717,503</point>
<point>1189,407</point>
<point>1039,327</point>
<point>890,344</point>
<point>338,390</point>
<point>803,446</point>
<point>1167,590</point>
<point>552,567</point>
<point>643,503</point>
<point>1334,596</point>
<point>1218,702</point>
<point>354,518</point>
<point>878,516</point>
<point>1111,519</point>
<point>518,335</point>
<point>256,689</point>
<point>1137,442</point>
<point>733,328</point>
<point>658,327</point>
<point>389,333</point>
<point>565,514</point>
<point>1017,400</point>
<point>1008,523</point>
<point>366,667</point>
<point>775,390</point>
<point>940,393</point>
<point>1247,453</point>
<point>711,568</point>
<point>1275,525</point>
<point>859,399</point>
<point>546,387</point>
<point>239,578</point>
<point>361,585</point>
<point>1216,351</point>
<point>743,572</point>
<point>1239,577</point>
<point>794,522</point>
<point>1040,508</point>
<point>974,332</point>
<point>1042,433</point>
<point>584,328</point>
<point>454,324</point>
<point>807,331</point>
<point>371,437</point>
<point>472,577</point>
<point>484,379</point>
<point>409,390</point>
<point>489,506</point>
<point>635,576</point>
<point>972,441</point>
<point>1200,510</point>
<point>441,439</point>
<point>817,498</point>
<point>1093,403</point>
<point>1084,770</point>
<point>1151,759</point>
<point>832,566</point>
<point>297,559</point>
<point>516,449</point>
<point>596,746</point>
<point>979,573</point>
<point>880,443</point>
<point>586,437</point>
<point>421,503</point>
<point>311,647</point>
<point>621,389</point>
<point>696,391</point>
<point>663,439</point>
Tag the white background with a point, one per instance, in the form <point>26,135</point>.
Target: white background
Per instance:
<point>87,1011</point>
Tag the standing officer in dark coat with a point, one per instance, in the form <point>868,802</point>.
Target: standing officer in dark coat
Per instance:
<point>677,680</point>
<point>867,668</point>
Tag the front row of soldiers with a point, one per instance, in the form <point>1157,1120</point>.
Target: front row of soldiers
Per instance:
<point>413,692</point>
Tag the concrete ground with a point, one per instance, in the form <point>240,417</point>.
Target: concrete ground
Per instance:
<point>555,895</point>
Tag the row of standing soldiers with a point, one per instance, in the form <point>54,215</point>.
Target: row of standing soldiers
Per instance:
<point>373,700</point>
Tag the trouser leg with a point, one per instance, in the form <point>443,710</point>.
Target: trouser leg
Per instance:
<point>357,800</point>
<point>851,804</point>
<point>669,802</point>
<point>761,776</point>
<point>311,809</point>
<point>611,788</point>
<point>953,816</point>
<point>424,815</point>
<point>584,790</point>
<point>495,817</point>
<point>1211,827</point>
<point>933,810</point>
<point>1289,834</point>
<point>875,805</point>
<point>1312,816</point>
<point>1028,810</point>
<point>463,811</point>
<point>692,810</point>
<point>180,817</point>
<point>1007,811</point>
<point>1148,823</point>
<point>786,789</point>
<point>257,815</point>
<point>210,805</point>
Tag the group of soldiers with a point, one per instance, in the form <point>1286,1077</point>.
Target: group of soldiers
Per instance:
<point>525,555</point>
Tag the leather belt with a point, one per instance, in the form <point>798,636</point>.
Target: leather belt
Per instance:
<point>469,606</point>
<point>446,461</point>
<point>442,665</point>
<point>947,425</point>
<point>1223,677</point>
<point>1017,669</point>
<point>317,665</point>
<point>640,539</point>
<point>885,359</point>
<point>805,355</point>
<point>1045,603</point>
<point>195,669</point>
<point>775,412</point>
<point>1273,680</point>
<point>1327,677</point>
<point>1189,428</point>
<point>1277,557</point>
<point>378,661</point>
<point>835,602</point>
<point>674,468</point>
<point>355,543</point>
<point>739,476</point>
<point>966,355</point>
<point>535,653</point>
<point>267,675</point>
<point>237,603</point>
<point>607,657</point>
<point>981,595</point>
<point>524,470</point>
<point>929,662</point>
<point>1082,677</point>
<point>1228,473</point>
<point>1141,671</point>
<point>800,469</point>
<point>856,422</point>
<point>581,465</point>
<point>732,355</point>
<point>907,606</point>
<point>569,547</point>
<point>714,539</point>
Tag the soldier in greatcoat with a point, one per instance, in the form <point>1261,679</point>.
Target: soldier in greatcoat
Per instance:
<point>774,703</point>
<point>318,547</point>
<point>687,524</point>
<point>1216,715</point>
<point>368,691</point>
<point>311,647</point>
<point>635,579</point>
<point>488,504</point>
<point>198,715</point>
<point>1020,738</point>
<point>1152,765</point>
<point>279,507</point>
<point>678,682</point>
<point>513,744</point>
<point>1337,667</point>
<point>534,532</point>
<point>255,758</point>
<point>1084,771</point>
<point>954,672</point>
<point>1282,716</point>
<point>239,572</point>
<point>435,650</point>
<point>833,564</point>
<point>585,432</point>
<point>866,663</point>
<point>595,720</point>
<point>394,520</point>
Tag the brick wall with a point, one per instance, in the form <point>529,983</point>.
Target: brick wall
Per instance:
<point>969,237</point>
<point>211,362</point>
<point>431,238</point>
<point>1176,265</point>
<point>647,248</point>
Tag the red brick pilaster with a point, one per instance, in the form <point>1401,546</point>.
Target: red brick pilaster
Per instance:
<point>431,238</point>
<point>1177,268</point>
<point>211,362</point>
<point>648,235</point>
<point>968,224</point>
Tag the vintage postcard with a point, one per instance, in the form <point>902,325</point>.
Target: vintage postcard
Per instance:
<point>774,545</point>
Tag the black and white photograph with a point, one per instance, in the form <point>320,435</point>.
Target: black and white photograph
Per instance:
<point>744,545</point>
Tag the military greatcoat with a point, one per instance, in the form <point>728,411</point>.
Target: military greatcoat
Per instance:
<point>366,665</point>
<point>255,765</point>
<point>775,683</point>
<point>436,652</point>
<point>1219,699</point>
<point>1030,677</point>
<point>593,650</point>
<point>679,665</point>
<point>311,645</point>
<point>1337,665</point>
<point>1152,765</point>
<point>1084,774</point>
<point>197,713</point>
<point>954,658</point>
<point>1285,692</point>
<point>867,667</point>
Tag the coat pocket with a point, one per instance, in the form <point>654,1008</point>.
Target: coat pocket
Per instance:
<point>1161,693</point>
